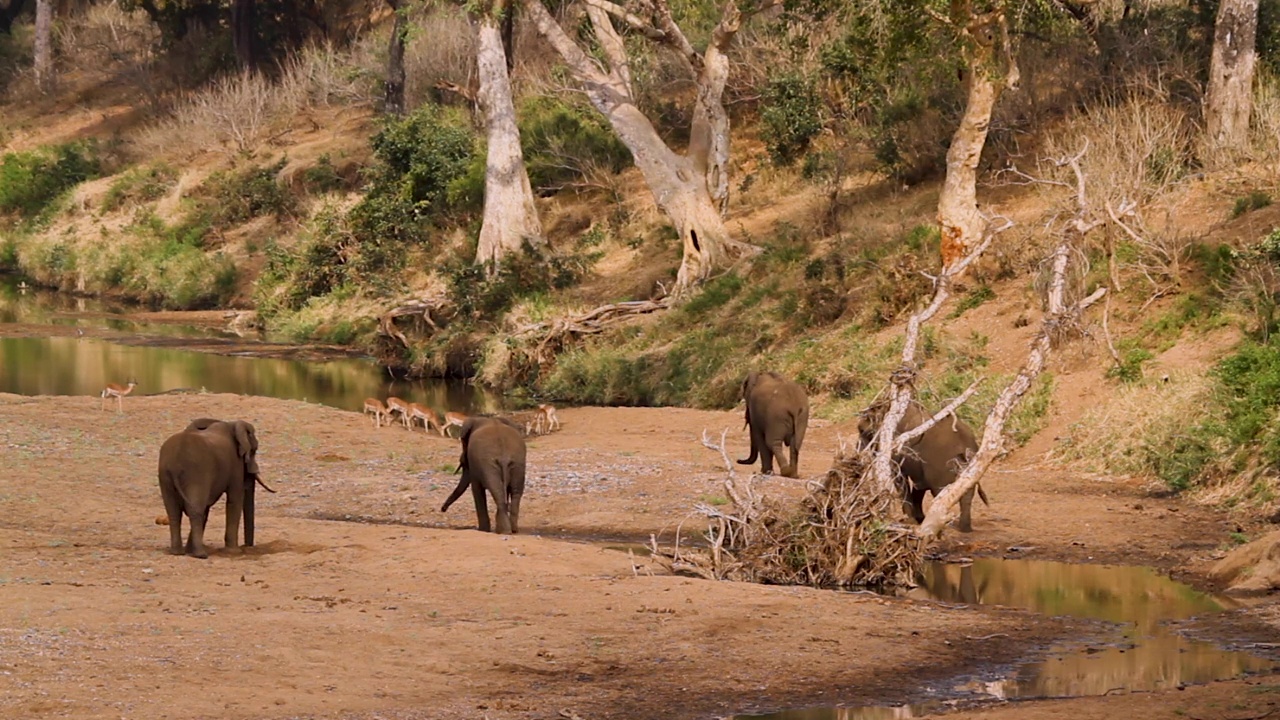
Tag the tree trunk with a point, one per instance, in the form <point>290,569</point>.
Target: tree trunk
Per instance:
<point>709,133</point>
<point>679,184</point>
<point>9,13</point>
<point>394,97</point>
<point>242,39</point>
<point>44,45</point>
<point>510,216</point>
<point>990,68</point>
<point>1229,100</point>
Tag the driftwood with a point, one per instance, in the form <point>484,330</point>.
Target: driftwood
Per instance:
<point>430,310</point>
<point>556,334</point>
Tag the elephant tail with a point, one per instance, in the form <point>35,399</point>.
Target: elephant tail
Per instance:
<point>983,494</point>
<point>751,459</point>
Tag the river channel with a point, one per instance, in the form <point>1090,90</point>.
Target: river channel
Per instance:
<point>1144,653</point>
<point>117,347</point>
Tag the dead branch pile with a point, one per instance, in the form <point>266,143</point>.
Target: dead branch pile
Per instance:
<point>839,535</point>
<point>558,333</point>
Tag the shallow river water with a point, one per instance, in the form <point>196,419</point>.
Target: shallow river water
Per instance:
<point>1144,653</point>
<point>153,356</point>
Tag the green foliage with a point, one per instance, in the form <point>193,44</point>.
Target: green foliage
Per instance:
<point>139,185</point>
<point>420,156</point>
<point>323,177</point>
<point>479,294</point>
<point>564,141</point>
<point>1255,200</point>
<point>30,181</point>
<point>715,293</point>
<point>790,115</point>
<point>973,299</point>
<point>228,199</point>
<point>1129,369</point>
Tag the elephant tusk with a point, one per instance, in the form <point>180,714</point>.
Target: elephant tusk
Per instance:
<point>258,479</point>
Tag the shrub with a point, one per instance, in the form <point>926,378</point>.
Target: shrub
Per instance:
<point>564,142</point>
<point>139,185</point>
<point>421,155</point>
<point>30,181</point>
<point>228,199</point>
<point>478,295</point>
<point>1255,200</point>
<point>791,116</point>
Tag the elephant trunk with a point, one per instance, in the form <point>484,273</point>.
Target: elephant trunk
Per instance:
<point>249,487</point>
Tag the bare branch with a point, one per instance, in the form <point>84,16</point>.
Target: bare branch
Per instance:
<point>635,22</point>
<point>924,427</point>
<point>612,45</point>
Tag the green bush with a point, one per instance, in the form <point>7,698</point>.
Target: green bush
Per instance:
<point>421,156</point>
<point>30,181</point>
<point>563,142</point>
<point>323,177</point>
<point>228,199</point>
<point>973,299</point>
<point>791,115</point>
<point>478,295</point>
<point>1255,200</point>
<point>139,185</point>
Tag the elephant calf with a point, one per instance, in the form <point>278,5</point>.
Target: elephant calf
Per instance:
<point>777,414</point>
<point>493,459</point>
<point>932,461</point>
<point>207,460</point>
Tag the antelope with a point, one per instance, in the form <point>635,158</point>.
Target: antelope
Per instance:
<point>425,414</point>
<point>396,405</point>
<point>375,406</point>
<point>546,420</point>
<point>118,392</point>
<point>452,418</point>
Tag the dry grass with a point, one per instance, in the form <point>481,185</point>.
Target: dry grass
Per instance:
<point>237,114</point>
<point>1266,122</point>
<point>441,49</point>
<point>1119,435</point>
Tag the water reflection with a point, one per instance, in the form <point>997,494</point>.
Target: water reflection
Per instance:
<point>73,366</point>
<point>36,306</point>
<point>1145,655</point>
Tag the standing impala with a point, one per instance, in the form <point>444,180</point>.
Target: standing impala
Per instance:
<point>425,414</point>
<point>450,419</point>
<point>375,406</point>
<point>118,392</point>
<point>546,420</point>
<point>396,405</point>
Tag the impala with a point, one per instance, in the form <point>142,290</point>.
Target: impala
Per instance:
<point>396,405</point>
<point>425,414</point>
<point>118,392</point>
<point>546,420</point>
<point>375,406</point>
<point>452,418</point>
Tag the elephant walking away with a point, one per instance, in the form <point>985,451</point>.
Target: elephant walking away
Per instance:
<point>493,459</point>
<point>207,460</point>
<point>777,414</point>
<point>932,461</point>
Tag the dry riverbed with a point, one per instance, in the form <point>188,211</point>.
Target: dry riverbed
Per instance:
<point>362,600</point>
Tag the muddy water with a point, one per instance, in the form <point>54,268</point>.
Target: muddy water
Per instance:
<point>1144,654</point>
<point>152,355</point>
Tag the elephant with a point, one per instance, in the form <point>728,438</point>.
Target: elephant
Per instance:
<point>932,461</point>
<point>777,412</point>
<point>493,459</point>
<point>209,459</point>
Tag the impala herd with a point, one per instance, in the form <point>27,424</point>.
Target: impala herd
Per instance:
<point>544,421</point>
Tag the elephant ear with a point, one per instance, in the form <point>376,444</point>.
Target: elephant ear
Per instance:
<point>247,446</point>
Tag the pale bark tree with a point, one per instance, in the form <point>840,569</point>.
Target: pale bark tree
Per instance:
<point>1229,100</point>
<point>44,45</point>
<point>990,68</point>
<point>691,189</point>
<point>510,217</point>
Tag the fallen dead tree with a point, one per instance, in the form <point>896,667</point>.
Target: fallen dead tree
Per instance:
<point>850,531</point>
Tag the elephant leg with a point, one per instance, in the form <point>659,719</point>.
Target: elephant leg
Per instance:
<point>966,507</point>
<point>917,503</point>
<point>231,537</point>
<point>795,460</point>
<point>482,504</point>
<point>173,509</point>
<point>195,540</point>
<point>515,490</point>
<point>776,451</point>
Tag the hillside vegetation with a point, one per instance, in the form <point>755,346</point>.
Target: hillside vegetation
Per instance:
<point>158,171</point>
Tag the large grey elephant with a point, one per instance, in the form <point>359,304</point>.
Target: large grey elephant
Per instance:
<point>207,460</point>
<point>777,413</point>
<point>931,461</point>
<point>493,459</point>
